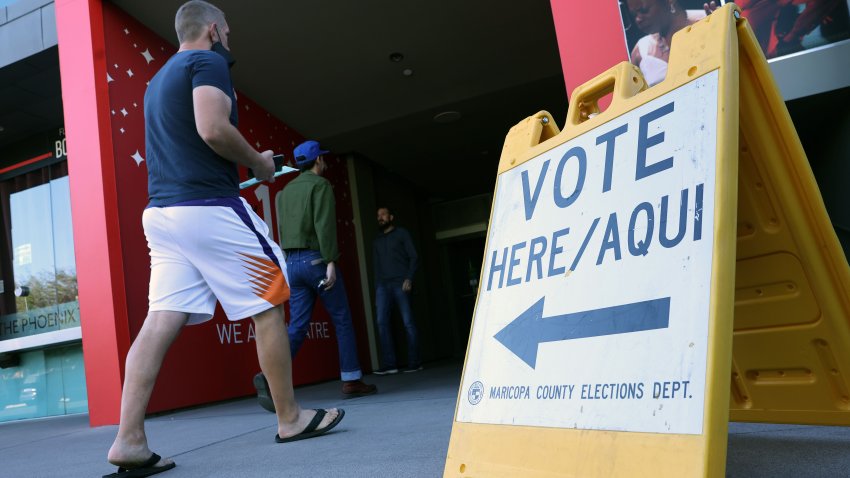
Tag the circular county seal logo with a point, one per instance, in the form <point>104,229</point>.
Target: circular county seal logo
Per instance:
<point>476,393</point>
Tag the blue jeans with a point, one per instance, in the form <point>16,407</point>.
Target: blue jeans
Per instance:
<point>387,293</point>
<point>305,269</point>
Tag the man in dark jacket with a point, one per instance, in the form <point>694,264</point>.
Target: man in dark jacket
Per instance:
<point>395,262</point>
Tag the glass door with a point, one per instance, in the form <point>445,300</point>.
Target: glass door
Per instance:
<point>39,311</point>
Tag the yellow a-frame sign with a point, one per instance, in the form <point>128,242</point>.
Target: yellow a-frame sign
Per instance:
<point>623,255</point>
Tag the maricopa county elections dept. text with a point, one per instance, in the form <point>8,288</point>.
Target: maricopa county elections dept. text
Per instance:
<point>664,224</point>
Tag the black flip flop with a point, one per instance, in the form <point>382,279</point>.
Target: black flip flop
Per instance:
<point>147,468</point>
<point>310,430</point>
<point>264,395</point>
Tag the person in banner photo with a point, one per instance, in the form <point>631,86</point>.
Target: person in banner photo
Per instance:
<point>659,20</point>
<point>193,148</point>
<point>783,27</point>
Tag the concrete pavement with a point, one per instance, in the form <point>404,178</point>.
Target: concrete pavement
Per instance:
<point>403,431</point>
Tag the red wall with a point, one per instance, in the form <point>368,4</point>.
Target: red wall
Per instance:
<point>108,191</point>
<point>94,196</point>
<point>590,38</point>
<point>201,367</point>
<point>109,194</point>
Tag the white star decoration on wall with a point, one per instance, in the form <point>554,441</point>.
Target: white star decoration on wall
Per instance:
<point>130,136</point>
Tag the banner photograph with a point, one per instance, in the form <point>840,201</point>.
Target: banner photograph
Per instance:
<point>782,27</point>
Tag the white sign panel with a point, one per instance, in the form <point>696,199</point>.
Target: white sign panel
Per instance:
<point>593,306</point>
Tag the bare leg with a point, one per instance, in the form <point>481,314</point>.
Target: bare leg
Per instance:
<point>276,364</point>
<point>143,363</point>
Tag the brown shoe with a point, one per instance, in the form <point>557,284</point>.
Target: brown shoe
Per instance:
<point>356,388</point>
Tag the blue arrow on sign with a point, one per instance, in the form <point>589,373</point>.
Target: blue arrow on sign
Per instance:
<point>530,329</point>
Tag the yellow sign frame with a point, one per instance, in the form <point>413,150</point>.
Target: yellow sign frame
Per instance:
<point>792,287</point>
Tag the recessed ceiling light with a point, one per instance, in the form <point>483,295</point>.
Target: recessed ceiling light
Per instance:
<point>2,129</point>
<point>447,117</point>
<point>407,72</point>
<point>396,57</point>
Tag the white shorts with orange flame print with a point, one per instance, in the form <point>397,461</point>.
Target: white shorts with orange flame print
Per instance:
<point>213,249</point>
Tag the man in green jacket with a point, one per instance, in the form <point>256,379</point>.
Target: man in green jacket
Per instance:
<point>307,227</point>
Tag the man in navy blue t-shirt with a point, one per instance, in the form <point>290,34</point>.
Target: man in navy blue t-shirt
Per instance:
<point>206,244</point>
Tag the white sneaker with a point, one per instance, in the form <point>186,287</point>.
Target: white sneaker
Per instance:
<point>386,371</point>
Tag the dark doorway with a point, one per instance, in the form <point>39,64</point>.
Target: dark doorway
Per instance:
<point>461,260</point>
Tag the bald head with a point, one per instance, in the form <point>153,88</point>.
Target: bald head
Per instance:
<point>194,18</point>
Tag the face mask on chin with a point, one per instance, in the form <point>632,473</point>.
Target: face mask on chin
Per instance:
<point>221,50</point>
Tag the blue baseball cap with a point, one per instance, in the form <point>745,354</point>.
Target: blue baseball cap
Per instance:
<point>307,152</point>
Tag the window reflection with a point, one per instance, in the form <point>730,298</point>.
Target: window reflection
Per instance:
<point>37,259</point>
<point>48,382</point>
<point>42,268</point>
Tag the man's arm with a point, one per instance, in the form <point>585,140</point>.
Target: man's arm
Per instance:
<point>635,56</point>
<point>412,261</point>
<point>324,222</point>
<point>212,120</point>
<point>375,257</point>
